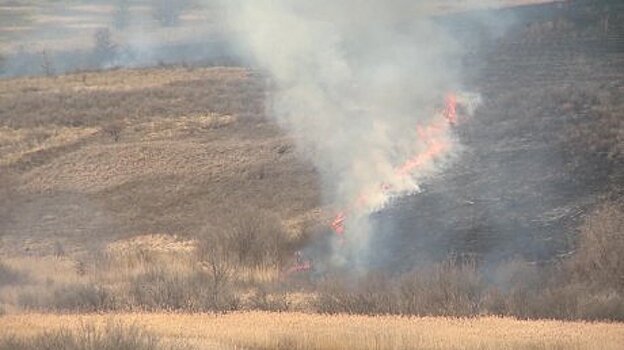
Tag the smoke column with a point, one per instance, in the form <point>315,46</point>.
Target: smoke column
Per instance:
<point>354,82</point>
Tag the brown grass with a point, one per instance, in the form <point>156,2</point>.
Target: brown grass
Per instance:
<point>205,201</point>
<point>163,272</point>
<point>258,330</point>
<point>111,336</point>
<point>599,259</point>
<point>104,141</point>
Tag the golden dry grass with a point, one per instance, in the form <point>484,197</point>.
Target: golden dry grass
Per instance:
<point>259,330</point>
<point>15,144</point>
<point>82,154</point>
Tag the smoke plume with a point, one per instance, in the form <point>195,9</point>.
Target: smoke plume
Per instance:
<point>360,85</point>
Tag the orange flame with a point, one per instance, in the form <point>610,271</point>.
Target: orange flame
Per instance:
<point>339,223</point>
<point>433,136</point>
<point>450,110</point>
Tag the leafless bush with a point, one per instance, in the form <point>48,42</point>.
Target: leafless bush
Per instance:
<point>370,295</point>
<point>265,301</point>
<point>599,259</point>
<point>105,49</point>
<point>115,336</point>
<point>513,285</point>
<point>59,249</point>
<point>256,238</point>
<point>46,64</point>
<point>451,288</point>
<point>213,257</point>
<point>113,129</point>
<point>83,298</point>
<point>80,297</point>
<point>160,289</point>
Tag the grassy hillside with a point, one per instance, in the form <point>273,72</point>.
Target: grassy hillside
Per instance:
<point>169,189</point>
<point>93,156</point>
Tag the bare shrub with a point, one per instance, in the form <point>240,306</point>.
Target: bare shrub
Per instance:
<point>113,335</point>
<point>515,284</point>
<point>88,297</point>
<point>161,289</point>
<point>104,49</point>
<point>371,295</point>
<point>256,238</point>
<point>113,129</point>
<point>80,297</point>
<point>213,257</point>
<point>46,64</point>
<point>599,259</point>
<point>262,299</point>
<point>450,288</point>
<point>59,249</point>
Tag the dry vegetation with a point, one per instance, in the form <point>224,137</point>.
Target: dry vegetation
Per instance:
<point>111,336</point>
<point>106,140</point>
<point>139,192</point>
<point>308,331</point>
<point>153,190</point>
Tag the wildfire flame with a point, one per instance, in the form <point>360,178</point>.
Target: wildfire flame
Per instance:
<point>433,136</point>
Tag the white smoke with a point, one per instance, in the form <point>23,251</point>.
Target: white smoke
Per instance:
<point>353,82</point>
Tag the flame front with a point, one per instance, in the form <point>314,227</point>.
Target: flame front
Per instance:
<point>434,137</point>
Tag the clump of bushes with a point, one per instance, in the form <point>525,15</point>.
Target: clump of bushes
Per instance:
<point>196,290</point>
<point>450,288</point>
<point>105,49</point>
<point>598,260</point>
<point>113,336</point>
<point>262,300</point>
<point>252,239</point>
<point>588,285</point>
<point>76,297</point>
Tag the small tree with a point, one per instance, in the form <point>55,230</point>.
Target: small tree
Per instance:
<point>213,256</point>
<point>255,237</point>
<point>105,49</point>
<point>46,64</point>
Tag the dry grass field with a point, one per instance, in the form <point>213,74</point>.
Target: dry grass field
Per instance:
<point>259,330</point>
<point>107,140</point>
<point>160,208</point>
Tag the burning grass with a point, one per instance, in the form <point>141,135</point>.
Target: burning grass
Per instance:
<point>91,158</point>
<point>158,273</point>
